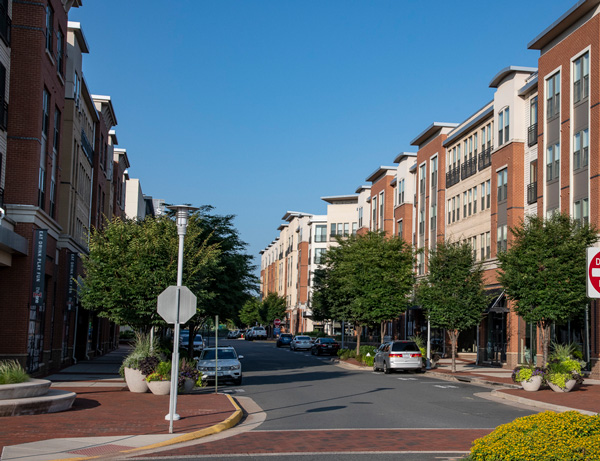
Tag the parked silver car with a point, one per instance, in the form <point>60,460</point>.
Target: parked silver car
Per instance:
<point>227,362</point>
<point>398,355</point>
<point>300,342</point>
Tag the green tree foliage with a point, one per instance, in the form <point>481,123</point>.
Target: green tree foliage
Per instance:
<point>366,280</point>
<point>452,294</point>
<point>273,307</point>
<point>130,263</point>
<point>231,282</point>
<point>250,313</point>
<point>544,271</point>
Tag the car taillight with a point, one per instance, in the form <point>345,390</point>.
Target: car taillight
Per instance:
<point>395,355</point>
<point>415,355</point>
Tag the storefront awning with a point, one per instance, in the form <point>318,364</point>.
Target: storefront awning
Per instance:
<point>498,301</point>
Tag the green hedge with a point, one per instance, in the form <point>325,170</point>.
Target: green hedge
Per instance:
<point>545,436</point>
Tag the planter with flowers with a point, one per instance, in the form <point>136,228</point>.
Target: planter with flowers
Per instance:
<point>564,376</point>
<point>144,347</point>
<point>159,381</point>
<point>189,376</point>
<point>529,376</point>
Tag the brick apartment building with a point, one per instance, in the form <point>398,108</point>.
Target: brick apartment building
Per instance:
<point>60,174</point>
<point>532,150</point>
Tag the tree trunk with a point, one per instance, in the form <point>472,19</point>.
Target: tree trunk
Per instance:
<point>383,329</point>
<point>358,331</point>
<point>453,334</point>
<point>544,327</point>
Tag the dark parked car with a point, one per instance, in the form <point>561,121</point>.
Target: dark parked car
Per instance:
<point>325,346</point>
<point>284,339</point>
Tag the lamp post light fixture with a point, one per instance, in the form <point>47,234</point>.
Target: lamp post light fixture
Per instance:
<point>182,213</point>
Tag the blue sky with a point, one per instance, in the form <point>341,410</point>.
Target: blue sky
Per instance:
<point>258,107</point>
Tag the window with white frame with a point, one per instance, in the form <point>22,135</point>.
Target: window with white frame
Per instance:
<point>581,211</point>
<point>453,210</point>
<point>552,162</point>
<point>374,213</point>
<point>503,126</point>
<point>346,229</point>
<point>320,233</point>
<point>502,184</point>
<point>458,207</point>
<point>400,192</point>
<point>354,228</point>
<point>332,229</point>
<point>360,216</point>
<point>381,209</point>
<point>319,254</point>
<point>422,178</point>
<point>465,204</point>
<point>434,172</point>
<point>581,76</point>
<point>49,27</point>
<point>553,95</point>
<point>580,149</point>
<point>475,200</point>
<point>502,238</point>
<point>399,227</point>
<point>449,208</point>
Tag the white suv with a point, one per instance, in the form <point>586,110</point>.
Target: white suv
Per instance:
<point>225,360</point>
<point>256,333</point>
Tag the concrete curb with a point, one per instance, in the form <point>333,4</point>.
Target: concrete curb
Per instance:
<point>471,380</point>
<point>226,424</point>
<point>538,404</point>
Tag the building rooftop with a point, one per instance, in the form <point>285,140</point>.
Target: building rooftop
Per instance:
<point>508,71</point>
<point>382,170</point>
<point>403,155</point>
<point>431,130</point>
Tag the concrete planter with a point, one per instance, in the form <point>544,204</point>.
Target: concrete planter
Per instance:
<point>569,385</point>
<point>532,384</point>
<point>160,387</point>
<point>136,381</point>
<point>31,388</point>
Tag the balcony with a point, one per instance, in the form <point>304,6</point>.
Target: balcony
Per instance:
<point>532,193</point>
<point>87,147</point>
<point>3,115</point>
<point>485,158</point>
<point>453,176</point>
<point>469,168</point>
<point>532,134</point>
<point>1,197</point>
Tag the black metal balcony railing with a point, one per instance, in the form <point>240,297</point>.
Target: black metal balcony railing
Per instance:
<point>532,133</point>
<point>469,168</point>
<point>485,158</point>
<point>453,176</point>
<point>532,193</point>
<point>1,197</point>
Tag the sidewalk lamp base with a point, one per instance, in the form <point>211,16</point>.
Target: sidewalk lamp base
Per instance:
<point>176,417</point>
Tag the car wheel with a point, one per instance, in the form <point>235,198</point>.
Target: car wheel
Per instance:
<point>386,369</point>
<point>375,367</point>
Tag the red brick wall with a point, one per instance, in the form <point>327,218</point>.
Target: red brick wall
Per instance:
<point>384,184</point>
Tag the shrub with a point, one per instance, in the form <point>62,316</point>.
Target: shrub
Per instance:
<point>143,347</point>
<point>148,365</point>
<point>162,372</point>
<point>11,372</point>
<point>548,436</point>
<point>364,350</point>
<point>344,354</point>
<point>525,372</point>
<point>561,372</point>
<point>368,360</point>
<point>187,370</point>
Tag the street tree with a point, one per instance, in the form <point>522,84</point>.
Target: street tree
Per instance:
<point>367,280</point>
<point>544,271</point>
<point>131,262</point>
<point>452,294</point>
<point>250,313</point>
<point>273,307</point>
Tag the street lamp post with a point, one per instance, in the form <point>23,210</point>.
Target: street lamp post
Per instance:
<point>181,215</point>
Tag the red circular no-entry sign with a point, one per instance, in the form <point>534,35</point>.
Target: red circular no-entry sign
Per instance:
<point>277,322</point>
<point>593,272</point>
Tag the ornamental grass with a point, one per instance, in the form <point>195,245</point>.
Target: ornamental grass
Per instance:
<point>545,436</point>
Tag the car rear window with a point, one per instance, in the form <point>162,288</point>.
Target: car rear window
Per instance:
<point>326,340</point>
<point>302,338</point>
<point>286,335</point>
<point>408,346</point>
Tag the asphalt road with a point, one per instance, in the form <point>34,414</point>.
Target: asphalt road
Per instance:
<point>305,406</point>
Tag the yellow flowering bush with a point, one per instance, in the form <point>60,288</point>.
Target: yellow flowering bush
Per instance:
<point>547,436</point>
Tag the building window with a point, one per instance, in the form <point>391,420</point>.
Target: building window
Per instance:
<point>434,172</point>
<point>532,186</point>
<point>360,217</point>
<point>401,192</point>
<point>474,247</point>
<point>482,244</point>
<point>532,131</point>
<point>332,229</point>
<point>354,228</point>
<point>580,149</point>
<point>464,204</point>
<point>319,254</point>
<point>470,202</point>
<point>374,213</point>
<point>450,210</point>
<point>552,162</point>
<point>5,23</point>
<point>581,76</point>
<point>475,200</point>
<point>502,185</point>
<point>346,229</point>
<point>421,221</point>
<point>60,54</point>
<point>340,228</point>
<point>381,209</point>
<point>433,218</point>
<point>421,264</point>
<point>399,228</point>
<point>503,126</point>
<point>49,27</point>
<point>320,233</point>
<point>3,105</point>
<point>502,239</point>
<point>422,179</point>
<point>458,207</point>
<point>553,96</point>
<point>581,211</point>
<point>488,248</point>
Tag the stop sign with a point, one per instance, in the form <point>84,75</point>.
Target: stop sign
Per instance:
<point>593,272</point>
<point>277,322</point>
<point>167,304</point>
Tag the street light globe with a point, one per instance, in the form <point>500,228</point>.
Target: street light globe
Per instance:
<point>182,213</point>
